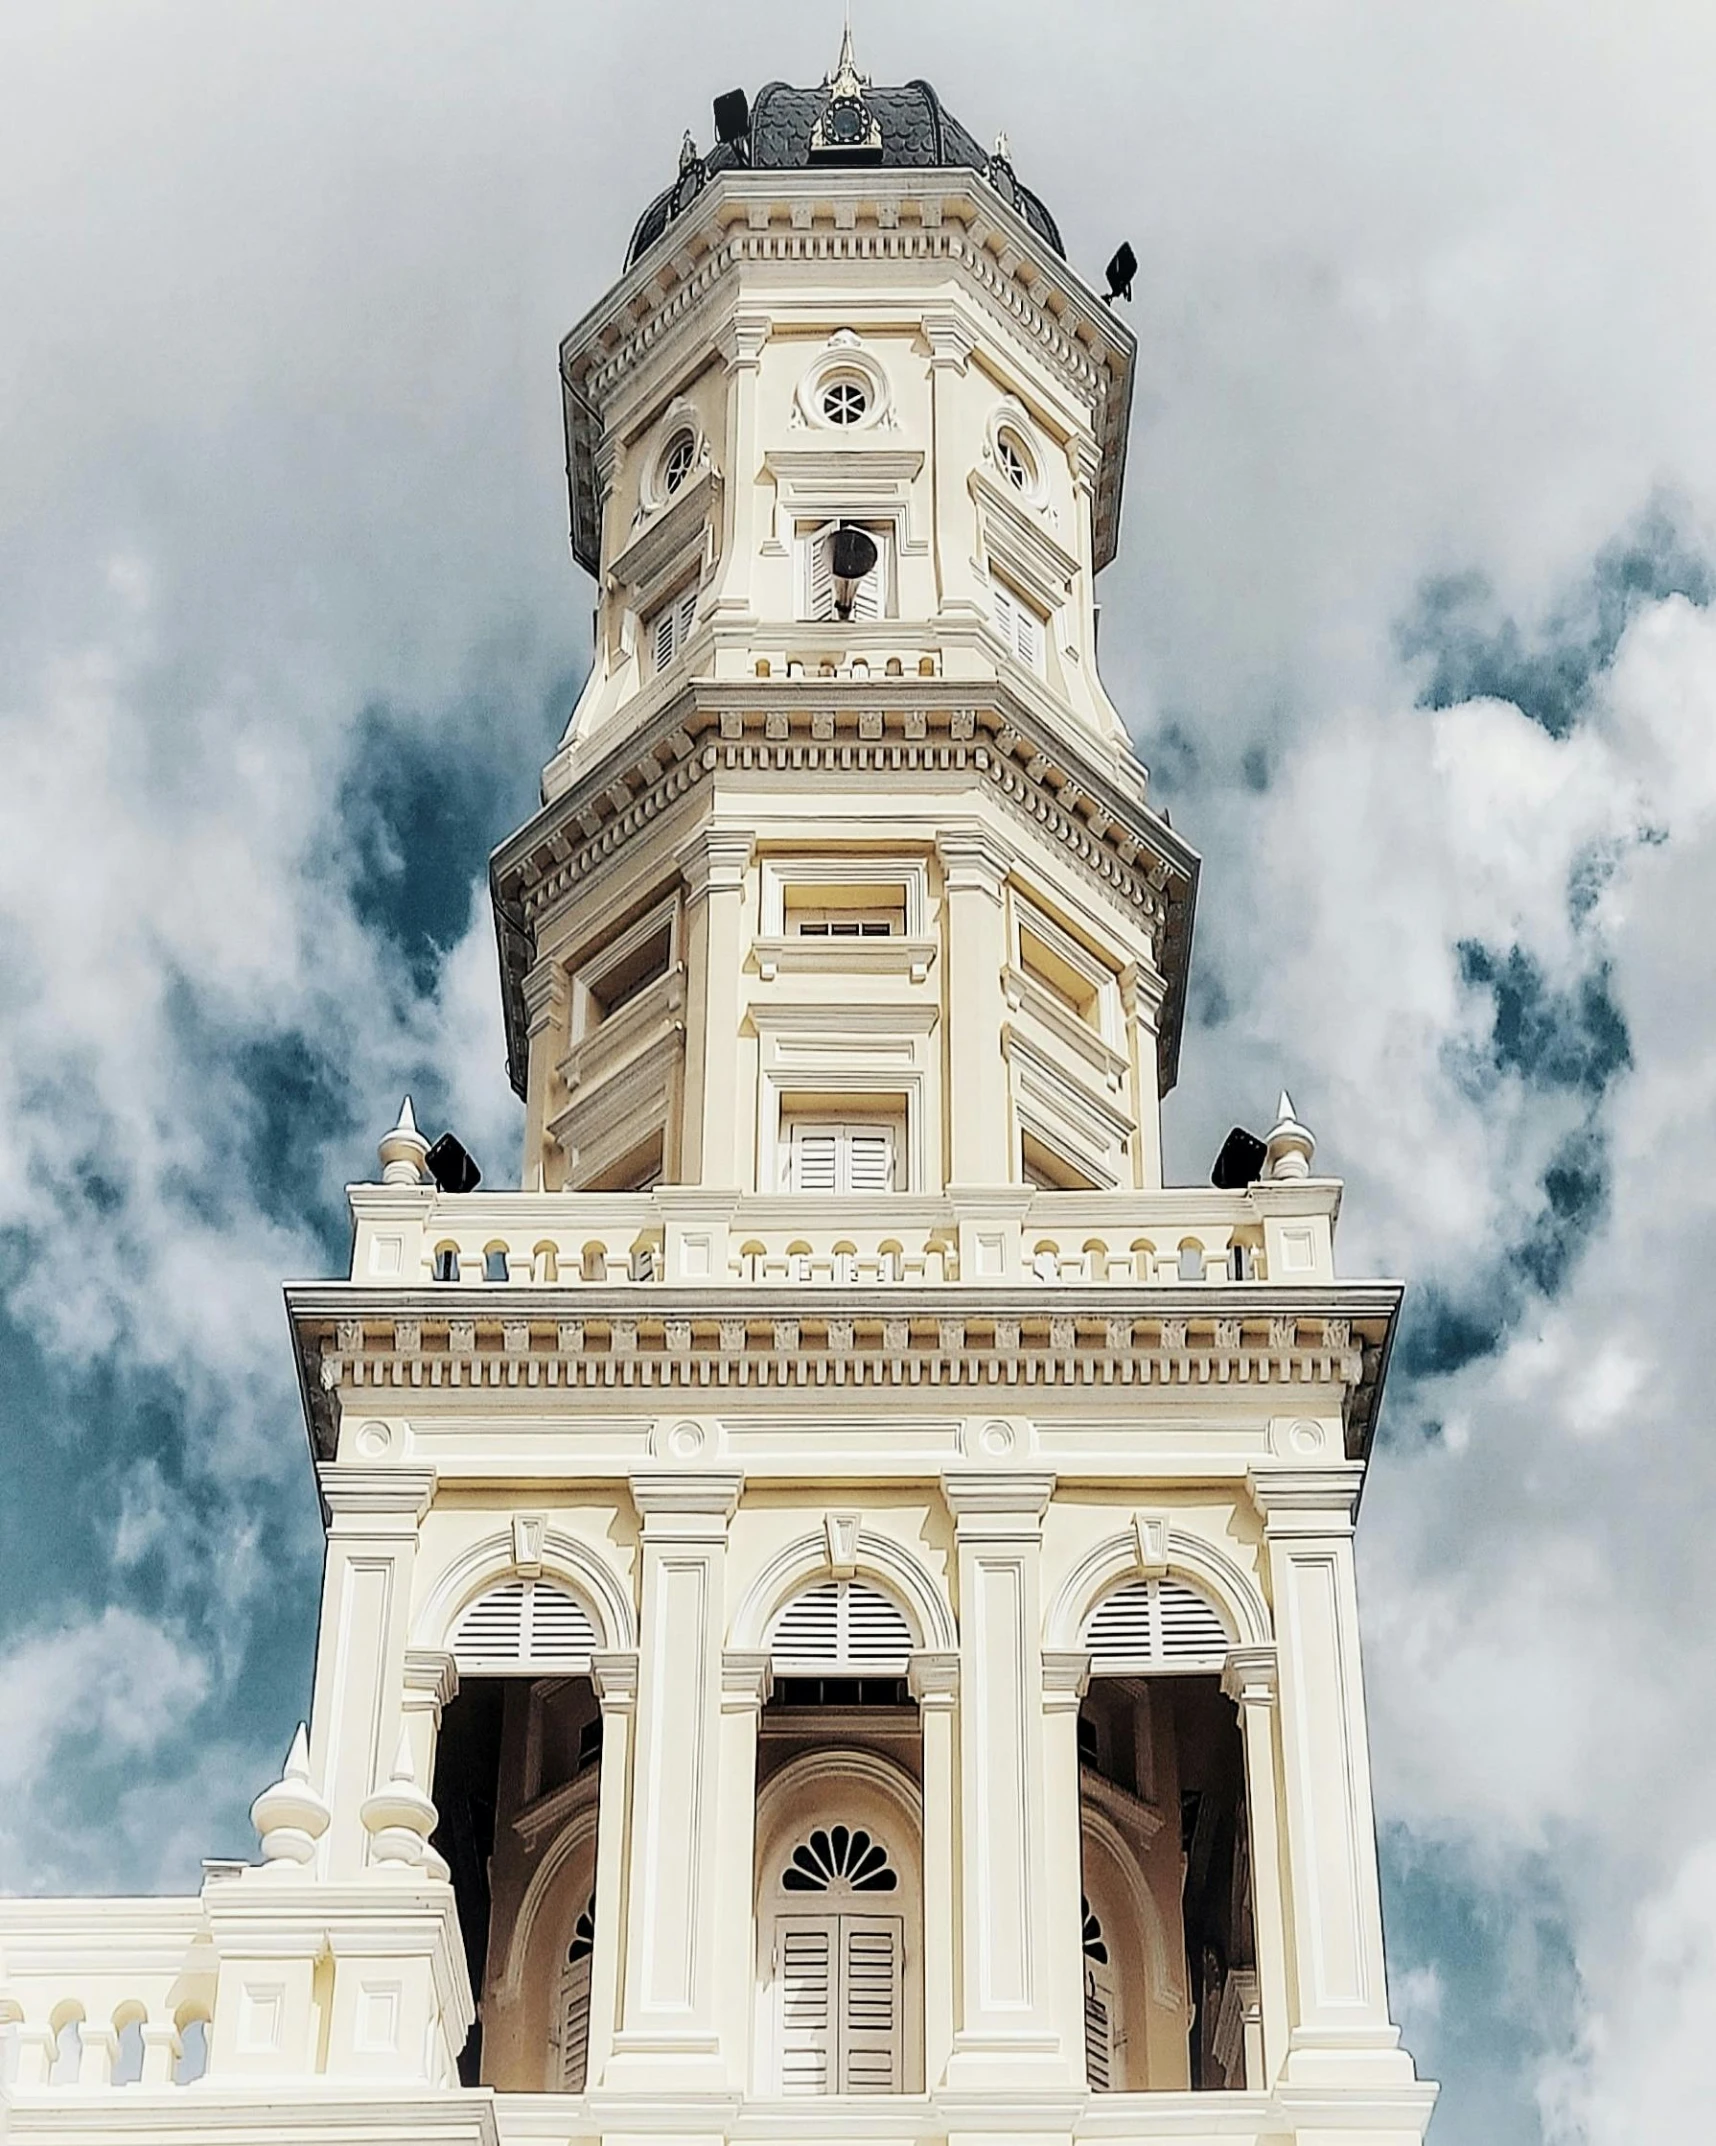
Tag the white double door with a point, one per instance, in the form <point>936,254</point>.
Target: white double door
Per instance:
<point>840,2003</point>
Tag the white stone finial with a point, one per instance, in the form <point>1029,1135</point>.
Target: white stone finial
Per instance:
<point>290,1817</point>
<point>403,1150</point>
<point>1289,1146</point>
<point>399,1818</point>
<point>1003,148</point>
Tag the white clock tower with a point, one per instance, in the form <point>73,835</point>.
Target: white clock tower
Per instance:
<point>839,1616</point>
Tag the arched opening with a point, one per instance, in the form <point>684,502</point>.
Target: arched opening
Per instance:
<point>517,1767</point>
<point>839,1880</point>
<point>1169,1959</point>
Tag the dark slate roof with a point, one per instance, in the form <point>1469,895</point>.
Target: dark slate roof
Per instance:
<point>915,129</point>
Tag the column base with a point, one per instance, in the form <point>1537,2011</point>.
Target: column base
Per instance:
<point>987,2064</point>
<point>645,2063</point>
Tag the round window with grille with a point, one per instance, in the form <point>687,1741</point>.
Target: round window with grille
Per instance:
<point>1017,465</point>
<point>677,461</point>
<point>845,400</point>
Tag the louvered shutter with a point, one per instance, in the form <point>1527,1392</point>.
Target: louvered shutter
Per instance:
<point>1161,1624</point>
<point>867,596</point>
<point>815,1158</point>
<point>842,1624</point>
<point>871,1154</point>
<point>819,574</point>
<point>1028,636</point>
<point>664,627</point>
<point>685,614</point>
<point>871,2004</point>
<point>525,1623</point>
<point>805,1974</point>
<point>1098,2028</point>
<point>574,2023</point>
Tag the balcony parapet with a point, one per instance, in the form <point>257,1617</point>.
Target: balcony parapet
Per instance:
<point>409,1237</point>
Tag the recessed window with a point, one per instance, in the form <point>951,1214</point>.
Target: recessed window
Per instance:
<point>1047,965</point>
<point>677,462</point>
<point>633,973</point>
<point>824,594</point>
<point>1020,625</point>
<point>1016,461</point>
<point>845,399</point>
<point>836,912</point>
<point>668,629</point>
<point>825,1155</point>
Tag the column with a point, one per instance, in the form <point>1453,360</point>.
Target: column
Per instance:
<point>747,1677</point>
<point>547,993</point>
<point>669,2032</point>
<point>614,1672</point>
<point>1249,1680</point>
<point>1066,1679</point>
<point>935,1686</point>
<point>1340,2030</point>
<point>715,865</point>
<point>1008,2031</point>
<point>979,1112</point>
<point>373,1517</point>
<point>951,341</point>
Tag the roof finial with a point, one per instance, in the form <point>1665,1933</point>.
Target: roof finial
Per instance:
<point>1003,148</point>
<point>846,81</point>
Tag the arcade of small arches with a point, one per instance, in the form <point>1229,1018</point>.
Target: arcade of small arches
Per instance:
<point>834,1632</point>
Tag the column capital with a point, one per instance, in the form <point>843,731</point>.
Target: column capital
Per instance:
<point>741,342</point>
<point>359,1494</point>
<point>693,1504</point>
<point>1066,1678</point>
<point>997,1501</point>
<point>973,859</point>
<point>951,340</point>
<point>1249,1676</point>
<point>431,1680</point>
<point>1306,1501</point>
<point>747,1678</point>
<point>614,1673</point>
<point>934,1679</point>
<point>546,990</point>
<point>715,861</point>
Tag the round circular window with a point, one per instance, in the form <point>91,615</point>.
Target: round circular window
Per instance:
<point>1015,460</point>
<point>676,462</point>
<point>844,400</point>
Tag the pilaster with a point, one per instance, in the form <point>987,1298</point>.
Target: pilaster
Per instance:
<point>1008,2025</point>
<point>1340,2031</point>
<point>715,865</point>
<point>747,1677</point>
<point>374,1514</point>
<point>671,2013</point>
<point>980,1128</point>
<point>1250,1680</point>
<point>935,1686</point>
<point>614,1672</point>
<point>1066,1679</point>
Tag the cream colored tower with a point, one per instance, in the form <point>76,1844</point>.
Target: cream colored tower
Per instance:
<point>839,1614</point>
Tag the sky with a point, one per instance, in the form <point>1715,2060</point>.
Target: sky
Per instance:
<point>1414,621</point>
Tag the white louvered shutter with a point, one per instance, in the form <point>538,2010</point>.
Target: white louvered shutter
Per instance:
<point>842,1624</point>
<point>574,2023</point>
<point>1018,625</point>
<point>1161,1624</point>
<point>525,1623</point>
<point>806,1967</point>
<point>840,1158</point>
<point>1098,2027</point>
<point>867,596</point>
<point>871,2003</point>
<point>664,619</point>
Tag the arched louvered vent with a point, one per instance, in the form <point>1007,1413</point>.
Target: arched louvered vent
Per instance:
<point>842,1624</point>
<point>525,1624</point>
<point>1156,1624</point>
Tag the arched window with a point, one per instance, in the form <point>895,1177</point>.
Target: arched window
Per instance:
<point>837,1957</point>
<point>572,2013</point>
<point>525,1624</point>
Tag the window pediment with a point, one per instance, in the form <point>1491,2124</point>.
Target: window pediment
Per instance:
<point>678,536</point>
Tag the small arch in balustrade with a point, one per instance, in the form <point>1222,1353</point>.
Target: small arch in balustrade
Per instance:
<point>798,1262</point>
<point>594,1263</point>
<point>1046,1261</point>
<point>496,1265</point>
<point>926,666</point>
<point>444,1263</point>
<point>845,1262</point>
<point>192,2021</point>
<point>65,2023</point>
<point>1095,1260</point>
<point>891,1261</point>
<point>860,667</point>
<point>1143,1259</point>
<point>895,668</point>
<point>763,667</point>
<point>1191,1257</point>
<point>751,1259</point>
<point>641,1260</point>
<point>545,1263</point>
<point>128,2059</point>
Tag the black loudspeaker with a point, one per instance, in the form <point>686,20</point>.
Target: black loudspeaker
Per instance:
<point>1120,272</point>
<point>732,117</point>
<point>452,1165</point>
<point>1238,1164</point>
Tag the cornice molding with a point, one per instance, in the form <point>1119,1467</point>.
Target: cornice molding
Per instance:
<point>392,1493</point>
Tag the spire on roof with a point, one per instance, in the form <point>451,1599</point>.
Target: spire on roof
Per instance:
<point>846,81</point>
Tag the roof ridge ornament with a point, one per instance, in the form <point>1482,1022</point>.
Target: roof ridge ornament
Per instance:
<point>847,131</point>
